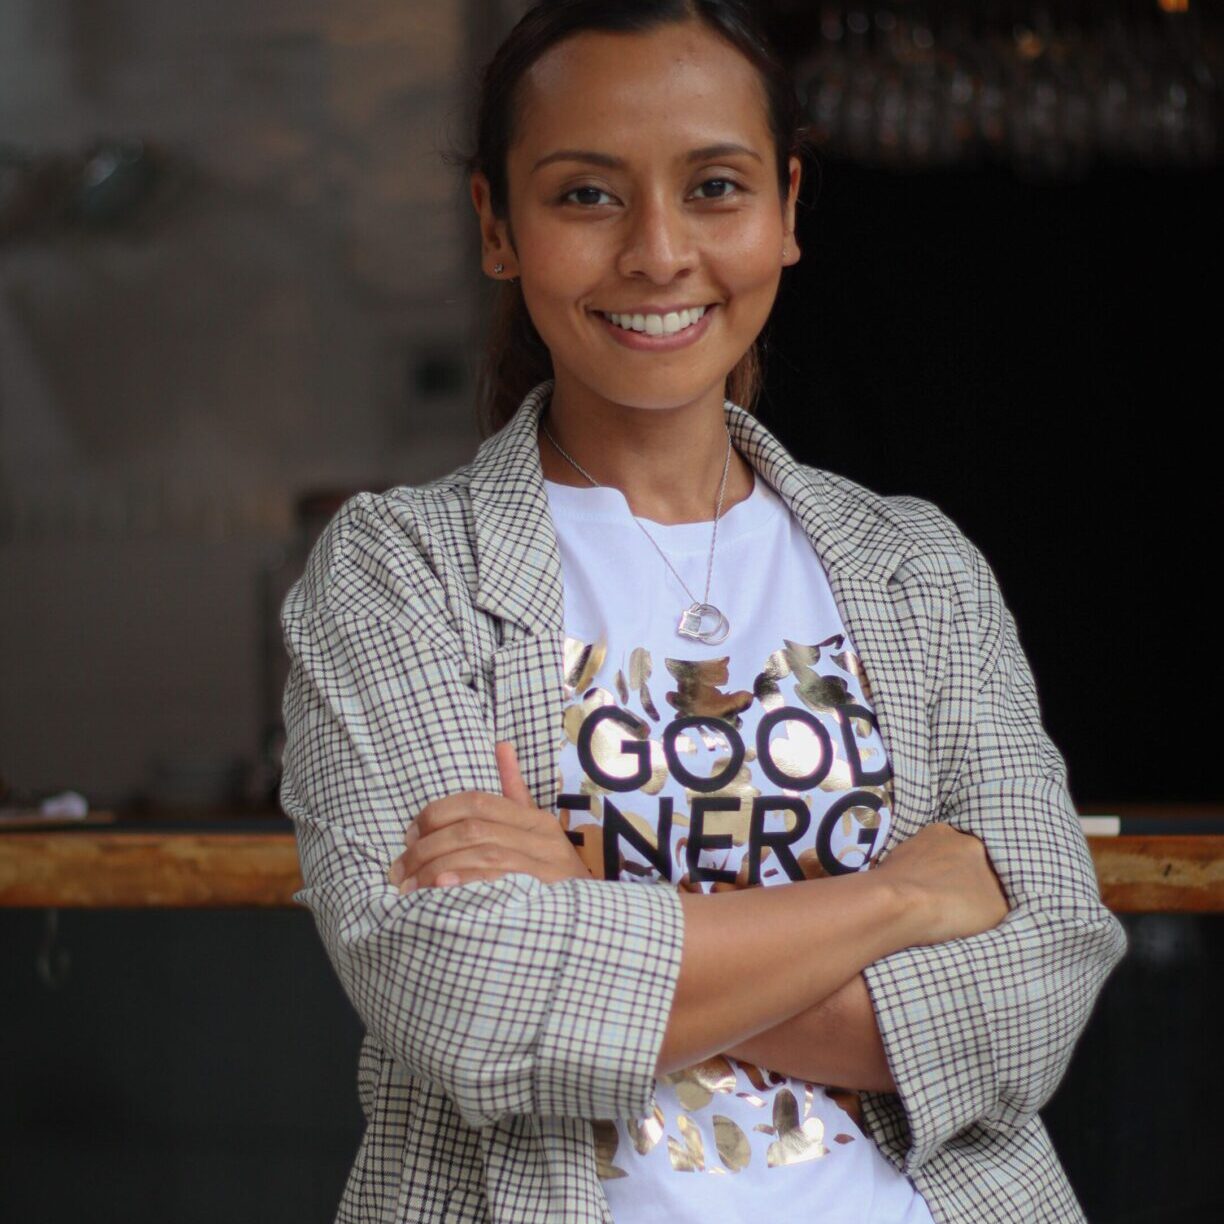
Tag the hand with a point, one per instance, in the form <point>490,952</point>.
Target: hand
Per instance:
<point>953,886</point>
<point>476,835</point>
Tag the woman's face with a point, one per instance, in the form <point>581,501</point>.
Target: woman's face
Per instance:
<point>645,220</point>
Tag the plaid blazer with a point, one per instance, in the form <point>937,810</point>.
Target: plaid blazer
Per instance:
<point>502,1016</point>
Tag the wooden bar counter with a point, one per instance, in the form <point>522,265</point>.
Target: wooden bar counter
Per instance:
<point>124,869</point>
<point>243,864</point>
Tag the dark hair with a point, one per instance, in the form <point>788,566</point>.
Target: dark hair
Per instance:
<point>516,358</point>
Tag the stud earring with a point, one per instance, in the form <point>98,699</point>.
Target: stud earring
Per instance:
<point>498,269</point>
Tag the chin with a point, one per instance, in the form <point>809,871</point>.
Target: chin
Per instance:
<point>661,393</point>
<point>664,400</point>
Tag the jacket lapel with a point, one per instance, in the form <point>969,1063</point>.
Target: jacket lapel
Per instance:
<point>518,567</point>
<point>519,581</point>
<point>859,545</point>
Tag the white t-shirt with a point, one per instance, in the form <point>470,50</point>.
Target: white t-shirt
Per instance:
<point>756,760</point>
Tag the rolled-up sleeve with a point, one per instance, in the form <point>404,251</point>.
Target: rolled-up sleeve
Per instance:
<point>514,996</point>
<point>979,1031</point>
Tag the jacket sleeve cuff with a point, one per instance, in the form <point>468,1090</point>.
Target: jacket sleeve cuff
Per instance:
<point>980,1030</point>
<point>936,1036</point>
<point>600,1042</point>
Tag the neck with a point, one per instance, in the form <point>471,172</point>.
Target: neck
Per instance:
<point>668,462</point>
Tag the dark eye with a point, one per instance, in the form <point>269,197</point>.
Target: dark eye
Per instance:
<point>717,188</point>
<point>586,195</point>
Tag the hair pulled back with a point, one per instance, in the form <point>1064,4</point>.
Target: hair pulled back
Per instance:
<point>516,359</point>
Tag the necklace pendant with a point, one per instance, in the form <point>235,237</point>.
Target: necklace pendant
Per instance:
<point>694,617</point>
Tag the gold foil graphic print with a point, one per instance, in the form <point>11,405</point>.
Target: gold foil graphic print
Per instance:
<point>598,726</point>
<point>640,668</point>
<point>850,662</point>
<point>734,1149</point>
<point>646,1132</point>
<point>582,663</point>
<point>696,1085</point>
<point>698,690</point>
<point>795,1142</point>
<point>799,752</point>
<point>697,1092</point>
<point>687,1156</point>
<point>723,785</point>
<point>607,1140</point>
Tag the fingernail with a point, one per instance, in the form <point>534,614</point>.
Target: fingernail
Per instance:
<point>411,834</point>
<point>396,874</point>
<point>448,877</point>
<point>408,885</point>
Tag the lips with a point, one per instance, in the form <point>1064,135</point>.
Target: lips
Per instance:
<point>655,336</point>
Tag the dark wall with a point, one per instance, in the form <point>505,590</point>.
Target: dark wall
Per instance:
<point>195,1067</point>
<point>1042,360</point>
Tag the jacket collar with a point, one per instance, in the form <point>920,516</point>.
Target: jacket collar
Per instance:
<point>518,563</point>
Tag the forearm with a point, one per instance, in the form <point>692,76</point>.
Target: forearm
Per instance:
<point>835,1042</point>
<point>755,958</point>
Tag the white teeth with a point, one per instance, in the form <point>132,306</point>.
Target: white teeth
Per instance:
<point>658,325</point>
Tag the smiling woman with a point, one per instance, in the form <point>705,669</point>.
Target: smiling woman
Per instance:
<point>642,193</point>
<point>815,928</point>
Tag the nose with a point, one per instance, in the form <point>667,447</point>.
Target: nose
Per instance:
<point>659,242</point>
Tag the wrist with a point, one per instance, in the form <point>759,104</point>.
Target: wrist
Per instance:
<point>909,906</point>
<point>900,909</point>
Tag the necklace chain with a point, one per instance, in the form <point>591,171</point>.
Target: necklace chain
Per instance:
<point>722,488</point>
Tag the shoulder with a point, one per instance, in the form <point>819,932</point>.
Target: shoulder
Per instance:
<point>932,560</point>
<point>914,532</point>
<point>391,554</point>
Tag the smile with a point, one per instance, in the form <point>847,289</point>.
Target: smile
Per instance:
<point>657,324</point>
<point>660,332</point>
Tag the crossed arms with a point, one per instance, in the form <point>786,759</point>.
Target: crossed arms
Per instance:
<point>521,997</point>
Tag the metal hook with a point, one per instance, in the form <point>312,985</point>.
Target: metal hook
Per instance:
<point>52,963</point>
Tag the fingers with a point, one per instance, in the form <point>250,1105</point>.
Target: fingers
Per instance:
<point>470,805</point>
<point>484,862</point>
<point>513,786</point>
<point>467,842</point>
<point>477,835</point>
<point>463,834</point>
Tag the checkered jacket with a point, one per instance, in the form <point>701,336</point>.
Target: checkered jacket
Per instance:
<point>503,1015</point>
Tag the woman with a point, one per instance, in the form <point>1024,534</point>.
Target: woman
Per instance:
<point>584,998</point>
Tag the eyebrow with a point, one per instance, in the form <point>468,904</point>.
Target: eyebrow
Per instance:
<point>590,157</point>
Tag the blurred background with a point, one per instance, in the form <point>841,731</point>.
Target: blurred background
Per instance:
<point>239,281</point>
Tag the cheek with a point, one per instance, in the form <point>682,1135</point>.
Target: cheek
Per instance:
<point>553,300</point>
<point>558,259</point>
<point>554,291</point>
<point>748,256</point>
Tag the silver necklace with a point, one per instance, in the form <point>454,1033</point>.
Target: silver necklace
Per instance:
<point>701,620</point>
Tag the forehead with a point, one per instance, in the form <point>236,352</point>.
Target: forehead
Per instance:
<point>679,82</point>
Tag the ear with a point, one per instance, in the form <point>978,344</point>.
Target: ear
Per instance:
<point>791,251</point>
<point>495,245</point>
